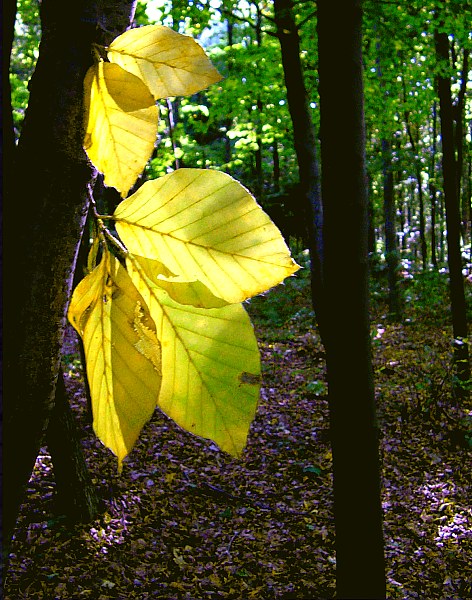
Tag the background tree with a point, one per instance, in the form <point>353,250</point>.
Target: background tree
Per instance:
<point>360,570</point>
<point>304,137</point>
<point>451,193</point>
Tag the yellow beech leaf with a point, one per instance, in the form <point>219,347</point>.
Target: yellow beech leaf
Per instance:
<point>123,354</point>
<point>193,292</point>
<point>171,64</point>
<point>205,226</point>
<point>210,362</point>
<point>120,124</point>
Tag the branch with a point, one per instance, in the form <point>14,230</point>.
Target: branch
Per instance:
<point>305,20</point>
<point>245,20</point>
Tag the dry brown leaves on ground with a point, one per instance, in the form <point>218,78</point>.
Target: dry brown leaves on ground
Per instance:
<point>185,521</point>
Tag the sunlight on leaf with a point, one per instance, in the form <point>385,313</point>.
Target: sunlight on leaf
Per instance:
<point>205,226</point>
<point>194,293</point>
<point>120,124</point>
<point>171,64</point>
<point>210,362</point>
<point>122,351</point>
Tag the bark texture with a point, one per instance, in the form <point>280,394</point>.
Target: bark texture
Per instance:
<point>45,211</point>
<point>76,497</point>
<point>360,569</point>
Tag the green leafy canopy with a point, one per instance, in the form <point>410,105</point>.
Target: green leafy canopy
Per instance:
<point>163,324</point>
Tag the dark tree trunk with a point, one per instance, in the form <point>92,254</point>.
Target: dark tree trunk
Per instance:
<point>276,167</point>
<point>260,192</point>
<point>469,191</point>
<point>76,497</point>
<point>402,222</point>
<point>391,246</point>
<point>172,120</point>
<point>259,173</point>
<point>7,141</point>
<point>228,122</point>
<point>389,204</point>
<point>424,245</point>
<point>45,214</point>
<point>409,210</point>
<point>432,192</point>
<point>441,218</point>
<point>360,569</point>
<point>464,201</point>
<point>305,147</point>
<point>417,163</point>
<point>451,200</point>
<point>371,241</point>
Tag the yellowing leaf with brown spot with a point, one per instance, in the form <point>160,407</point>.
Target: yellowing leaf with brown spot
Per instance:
<point>171,64</point>
<point>210,361</point>
<point>120,124</point>
<point>122,352</point>
<point>205,226</point>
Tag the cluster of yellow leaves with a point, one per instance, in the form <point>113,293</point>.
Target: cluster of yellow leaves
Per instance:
<point>167,328</point>
<point>121,117</point>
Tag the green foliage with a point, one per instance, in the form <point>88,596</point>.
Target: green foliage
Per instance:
<point>24,54</point>
<point>287,304</point>
<point>427,297</point>
<point>316,388</point>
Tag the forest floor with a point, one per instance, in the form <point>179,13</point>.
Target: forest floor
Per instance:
<point>185,521</point>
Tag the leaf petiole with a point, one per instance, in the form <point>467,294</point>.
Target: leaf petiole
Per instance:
<point>117,245</point>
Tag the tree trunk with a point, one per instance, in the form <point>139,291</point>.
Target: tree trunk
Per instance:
<point>45,213</point>
<point>360,569</point>
<point>371,241</point>
<point>424,246</point>
<point>276,168</point>
<point>432,193</point>
<point>172,120</point>
<point>391,246</point>
<point>7,141</point>
<point>227,123</point>
<point>459,107</point>
<point>441,218</point>
<point>76,497</point>
<point>305,147</point>
<point>451,200</point>
<point>469,190</point>
<point>402,205</point>
<point>259,173</point>
<point>417,165</point>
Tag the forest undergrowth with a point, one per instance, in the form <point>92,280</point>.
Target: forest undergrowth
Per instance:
<point>185,521</point>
